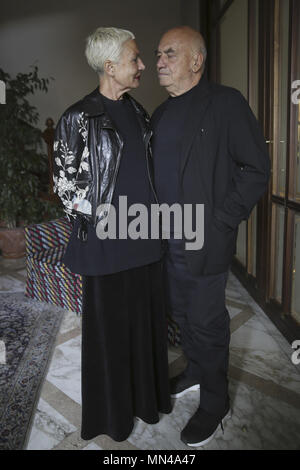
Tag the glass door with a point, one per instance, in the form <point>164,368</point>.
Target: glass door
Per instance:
<point>256,49</point>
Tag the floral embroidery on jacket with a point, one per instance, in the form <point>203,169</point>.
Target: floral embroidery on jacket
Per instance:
<point>67,167</point>
<point>83,127</point>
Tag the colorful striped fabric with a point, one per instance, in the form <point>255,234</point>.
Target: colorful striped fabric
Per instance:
<point>173,332</point>
<point>48,280</point>
<point>47,235</point>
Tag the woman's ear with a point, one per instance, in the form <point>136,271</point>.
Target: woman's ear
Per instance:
<point>109,67</point>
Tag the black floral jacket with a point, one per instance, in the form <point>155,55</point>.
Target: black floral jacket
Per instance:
<point>87,155</point>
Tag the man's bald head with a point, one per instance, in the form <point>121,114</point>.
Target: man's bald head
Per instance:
<point>191,37</point>
<point>181,57</point>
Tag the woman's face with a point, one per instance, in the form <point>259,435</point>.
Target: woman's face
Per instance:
<point>127,72</point>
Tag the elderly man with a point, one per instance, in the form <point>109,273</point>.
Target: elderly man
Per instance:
<point>208,149</point>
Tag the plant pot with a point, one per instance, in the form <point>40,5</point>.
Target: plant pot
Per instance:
<point>12,242</point>
<point>2,224</point>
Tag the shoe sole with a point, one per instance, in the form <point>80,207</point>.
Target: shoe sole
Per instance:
<point>193,388</point>
<point>210,438</point>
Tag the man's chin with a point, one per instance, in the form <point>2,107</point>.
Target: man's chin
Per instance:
<point>164,80</point>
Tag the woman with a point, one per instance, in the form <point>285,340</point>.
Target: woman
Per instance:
<point>101,152</point>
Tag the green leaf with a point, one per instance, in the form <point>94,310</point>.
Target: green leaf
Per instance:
<point>23,163</point>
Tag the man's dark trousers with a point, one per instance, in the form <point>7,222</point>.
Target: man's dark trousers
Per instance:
<point>197,305</point>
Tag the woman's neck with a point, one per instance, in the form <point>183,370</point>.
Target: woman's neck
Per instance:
<point>111,89</point>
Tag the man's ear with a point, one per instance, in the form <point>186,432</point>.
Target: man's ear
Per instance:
<point>109,68</point>
<point>197,62</point>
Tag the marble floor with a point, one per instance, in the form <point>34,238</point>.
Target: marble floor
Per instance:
<point>264,386</point>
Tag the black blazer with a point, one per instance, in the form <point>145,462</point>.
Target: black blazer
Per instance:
<point>224,165</point>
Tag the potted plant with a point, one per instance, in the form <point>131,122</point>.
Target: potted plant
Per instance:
<point>23,163</point>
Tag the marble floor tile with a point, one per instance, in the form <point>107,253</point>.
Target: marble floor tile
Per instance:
<point>48,429</point>
<point>233,311</point>
<point>92,446</point>
<point>254,350</point>
<point>234,294</point>
<point>9,284</point>
<point>7,264</point>
<point>69,322</point>
<point>173,355</point>
<point>272,330</point>
<point>259,422</point>
<point>23,272</point>
<point>65,368</point>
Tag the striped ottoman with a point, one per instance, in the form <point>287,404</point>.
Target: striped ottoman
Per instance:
<point>48,279</point>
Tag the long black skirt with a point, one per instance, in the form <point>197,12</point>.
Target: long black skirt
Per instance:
<point>124,352</point>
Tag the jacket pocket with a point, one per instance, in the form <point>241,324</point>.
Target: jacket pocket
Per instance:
<point>221,244</point>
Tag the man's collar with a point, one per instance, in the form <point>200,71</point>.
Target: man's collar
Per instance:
<point>202,86</point>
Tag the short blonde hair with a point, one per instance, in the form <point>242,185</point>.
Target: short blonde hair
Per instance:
<point>105,44</point>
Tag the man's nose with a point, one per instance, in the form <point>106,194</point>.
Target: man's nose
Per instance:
<point>160,62</point>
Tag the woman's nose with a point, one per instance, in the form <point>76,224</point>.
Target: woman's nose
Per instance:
<point>141,65</point>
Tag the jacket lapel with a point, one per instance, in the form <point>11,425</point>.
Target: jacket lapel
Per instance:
<point>199,106</point>
<point>93,106</point>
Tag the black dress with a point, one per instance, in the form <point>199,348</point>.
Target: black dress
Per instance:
<point>124,330</point>
<point>124,352</point>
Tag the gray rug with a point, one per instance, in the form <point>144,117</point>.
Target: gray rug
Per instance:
<point>28,329</point>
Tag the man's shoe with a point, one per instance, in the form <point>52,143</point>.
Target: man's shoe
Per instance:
<point>181,384</point>
<point>202,427</point>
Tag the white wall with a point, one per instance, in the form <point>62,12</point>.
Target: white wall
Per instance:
<point>53,37</point>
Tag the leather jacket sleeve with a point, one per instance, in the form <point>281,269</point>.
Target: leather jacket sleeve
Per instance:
<point>70,163</point>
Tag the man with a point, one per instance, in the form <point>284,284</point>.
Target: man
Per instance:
<point>208,149</point>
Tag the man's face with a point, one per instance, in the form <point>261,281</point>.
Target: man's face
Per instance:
<point>130,66</point>
<point>174,63</point>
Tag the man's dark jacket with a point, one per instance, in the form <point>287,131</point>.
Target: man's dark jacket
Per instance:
<point>224,164</point>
